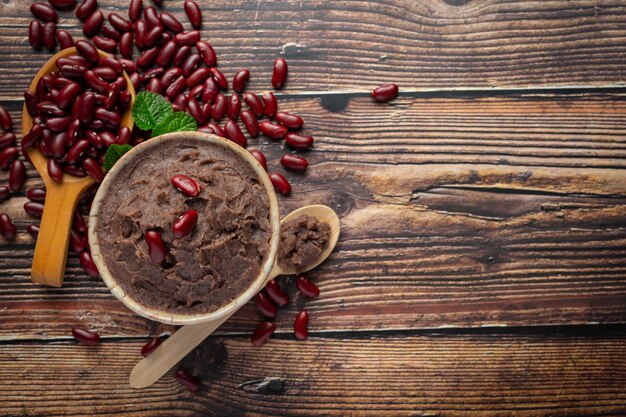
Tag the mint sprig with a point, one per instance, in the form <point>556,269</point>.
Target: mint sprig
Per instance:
<point>114,153</point>
<point>176,122</point>
<point>150,109</point>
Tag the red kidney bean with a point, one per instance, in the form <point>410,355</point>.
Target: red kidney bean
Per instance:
<point>57,146</point>
<point>273,130</point>
<point>73,71</point>
<point>170,75</point>
<point>7,139</point>
<point>147,58</point>
<point>279,75</point>
<point>108,116</point>
<point>85,337</point>
<point>108,138</point>
<point>35,35</point>
<point>156,247</point>
<point>262,333</point>
<point>58,124</point>
<point>294,163</point>
<point>7,227</point>
<point>187,38</point>
<point>219,78</point>
<point>65,39</point>
<point>93,24</point>
<point>106,73</point>
<point>290,121</point>
<point>193,13</point>
<point>31,102</point>
<point>269,100</point>
<point>265,305</point>
<point>75,171</point>
<point>166,54</point>
<point>181,101</point>
<point>177,87</point>
<point>123,136</point>
<point>210,90</point>
<point>196,91</point>
<point>195,110</point>
<point>78,223</point>
<point>33,230</point>
<point>93,168</point>
<point>217,129</point>
<point>280,183</point>
<point>134,9</point>
<point>219,107</point>
<point>186,379</point>
<point>185,224</point>
<point>197,77</point>
<point>68,94</point>
<point>77,242</point>
<point>110,32</point>
<point>234,133</point>
<point>254,103</point>
<point>208,53</point>
<point>72,60</point>
<point>48,108</point>
<point>106,44</point>
<point>126,45</point>
<point>112,97</point>
<point>29,139</point>
<point>7,156</point>
<point>43,12</point>
<point>234,106</point>
<point>151,17</point>
<point>6,122</point>
<point>60,82</point>
<point>86,9</point>
<point>140,32</point>
<point>55,171</point>
<point>33,209</point>
<point>155,86</point>
<point>77,150</point>
<point>240,80</point>
<point>152,36</point>
<point>190,64</point>
<point>86,261</point>
<point>276,294</point>
<point>119,23</point>
<point>300,325</point>
<point>152,73</point>
<point>87,50</point>
<point>49,36</point>
<point>306,287</point>
<point>86,112</point>
<point>135,80</point>
<point>385,92</point>
<point>73,131</point>
<point>259,156</point>
<point>250,122</point>
<point>36,194</point>
<point>124,100</point>
<point>62,4</point>
<point>128,65</point>
<point>17,175</point>
<point>181,55</point>
<point>186,185</point>
<point>171,22</point>
<point>151,346</point>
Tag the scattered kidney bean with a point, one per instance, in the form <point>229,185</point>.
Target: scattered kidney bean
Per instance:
<point>150,346</point>
<point>55,171</point>
<point>186,185</point>
<point>181,102</point>
<point>270,103</point>
<point>64,39</point>
<point>234,106</point>
<point>119,23</point>
<point>151,17</point>
<point>62,4</point>
<point>259,156</point>
<point>188,380</point>
<point>187,38</point>
<point>294,162</point>
<point>17,175</point>
<point>208,53</point>
<point>33,230</point>
<point>134,9</point>
<point>147,58</point>
<point>185,224</point>
<point>217,129</point>
<point>250,122</point>
<point>254,103</point>
<point>219,107</point>
<point>280,183</point>
<point>279,76</point>
<point>85,336</point>
<point>7,139</point>
<point>276,294</point>
<point>290,121</point>
<point>265,305</point>
<point>77,242</point>
<point>4,193</point>
<point>240,80</point>
<point>220,79</point>
<point>385,92</point>
<point>156,247</point>
<point>300,325</point>
<point>298,140</point>
<point>171,22</point>
<point>35,35</point>
<point>181,55</point>
<point>234,133</point>
<point>126,45</point>
<point>49,36</point>
<point>195,109</point>
<point>93,24</point>
<point>306,287</point>
<point>106,44</point>
<point>198,77</point>
<point>87,50</point>
<point>152,36</point>
<point>177,87</point>
<point>33,209</point>
<point>190,64</point>
<point>86,9</point>
<point>7,228</point>
<point>193,13</point>
<point>78,223</point>
<point>110,32</point>
<point>44,12</point>
<point>7,155</point>
<point>140,32</point>
<point>210,90</point>
<point>155,86</point>
<point>93,168</point>
<point>262,333</point>
<point>272,130</point>
<point>6,122</point>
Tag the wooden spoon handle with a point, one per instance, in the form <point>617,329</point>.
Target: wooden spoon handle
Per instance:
<point>54,233</point>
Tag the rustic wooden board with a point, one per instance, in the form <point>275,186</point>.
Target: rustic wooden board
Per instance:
<point>561,374</point>
<point>348,45</point>
<point>456,212</point>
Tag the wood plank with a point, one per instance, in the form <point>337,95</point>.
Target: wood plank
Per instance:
<point>357,45</point>
<point>430,374</point>
<point>455,212</point>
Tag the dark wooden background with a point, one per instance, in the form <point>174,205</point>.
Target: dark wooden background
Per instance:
<point>482,265</point>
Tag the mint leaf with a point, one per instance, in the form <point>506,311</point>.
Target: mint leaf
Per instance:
<point>150,109</point>
<point>114,153</point>
<point>176,122</point>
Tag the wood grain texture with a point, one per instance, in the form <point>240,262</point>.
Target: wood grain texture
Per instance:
<point>407,375</point>
<point>357,45</point>
<point>475,211</point>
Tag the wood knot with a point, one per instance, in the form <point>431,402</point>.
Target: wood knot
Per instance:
<point>268,386</point>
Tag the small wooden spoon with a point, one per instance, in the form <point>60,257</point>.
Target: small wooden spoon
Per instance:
<point>177,346</point>
<point>61,197</point>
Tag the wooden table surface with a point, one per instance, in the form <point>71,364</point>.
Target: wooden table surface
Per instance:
<point>482,265</point>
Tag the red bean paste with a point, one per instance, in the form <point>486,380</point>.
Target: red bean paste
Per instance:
<point>302,240</point>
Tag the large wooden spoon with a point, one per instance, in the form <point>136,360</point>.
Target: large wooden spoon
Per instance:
<point>61,197</point>
<point>185,339</point>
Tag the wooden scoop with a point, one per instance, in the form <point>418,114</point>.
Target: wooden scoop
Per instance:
<point>61,197</point>
<point>177,346</point>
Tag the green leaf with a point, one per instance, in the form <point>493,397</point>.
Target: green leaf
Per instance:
<point>150,109</point>
<point>114,153</point>
<point>176,122</point>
